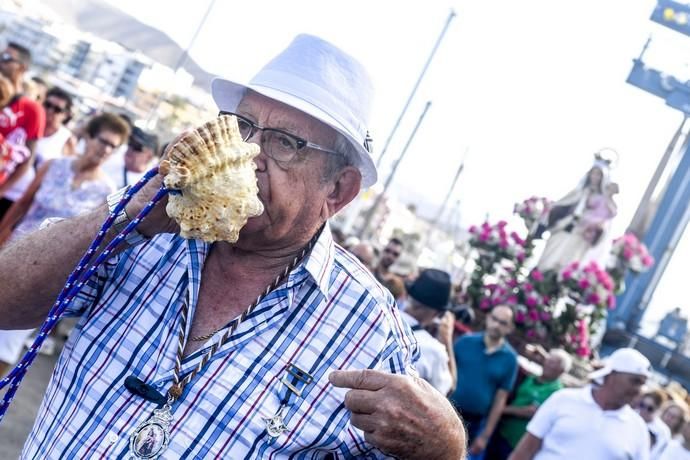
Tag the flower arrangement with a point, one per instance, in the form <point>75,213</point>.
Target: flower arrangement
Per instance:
<point>631,253</point>
<point>589,285</point>
<point>561,309</point>
<point>532,210</point>
<point>496,239</point>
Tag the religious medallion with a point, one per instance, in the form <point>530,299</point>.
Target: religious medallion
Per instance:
<point>151,437</point>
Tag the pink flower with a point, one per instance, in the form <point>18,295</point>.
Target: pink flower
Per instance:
<point>528,287</point>
<point>628,253</point>
<point>501,224</point>
<point>537,275</point>
<point>647,260</point>
<point>484,237</point>
<point>512,300</point>
<point>583,284</point>
<point>520,257</point>
<point>503,244</point>
<point>473,229</point>
<point>519,317</point>
<point>611,302</point>
<point>531,334</point>
<point>593,299</point>
<point>545,316</point>
<point>484,304</point>
<point>567,275</point>
<point>533,315</point>
<point>582,351</point>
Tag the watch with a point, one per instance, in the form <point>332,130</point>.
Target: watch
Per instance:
<point>122,219</point>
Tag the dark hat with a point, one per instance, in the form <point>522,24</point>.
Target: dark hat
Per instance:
<point>139,136</point>
<point>431,288</point>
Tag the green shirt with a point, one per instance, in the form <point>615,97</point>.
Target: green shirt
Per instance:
<point>530,392</point>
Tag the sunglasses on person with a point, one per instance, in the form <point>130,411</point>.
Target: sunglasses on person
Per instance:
<point>7,57</point>
<point>392,252</point>
<point>646,407</point>
<point>135,146</point>
<point>55,108</point>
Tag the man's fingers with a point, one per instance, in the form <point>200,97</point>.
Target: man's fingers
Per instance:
<point>361,401</point>
<point>364,422</point>
<point>364,379</point>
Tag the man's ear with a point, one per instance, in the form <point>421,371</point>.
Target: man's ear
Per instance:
<point>344,189</point>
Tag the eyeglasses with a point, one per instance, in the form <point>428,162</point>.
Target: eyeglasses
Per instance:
<point>55,108</point>
<point>106,143</point>
<point>277,144</point>
<point>7,57</point>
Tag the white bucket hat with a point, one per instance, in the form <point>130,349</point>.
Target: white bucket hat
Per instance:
<point>320,80</point>
<point>627,360</point>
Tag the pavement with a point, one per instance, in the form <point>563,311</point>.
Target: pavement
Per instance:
<point>17,423</point>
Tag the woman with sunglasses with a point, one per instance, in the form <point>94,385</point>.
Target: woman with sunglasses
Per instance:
<point>65,187</point>
<point>648,407</point>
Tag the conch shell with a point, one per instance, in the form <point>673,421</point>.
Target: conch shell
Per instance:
<point>213,169</point>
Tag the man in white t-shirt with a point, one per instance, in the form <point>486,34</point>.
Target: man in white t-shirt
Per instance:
<point>595,422</point>
<point>428,301</point>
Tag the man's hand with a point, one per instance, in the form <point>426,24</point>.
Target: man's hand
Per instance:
<point>157,221</point>
<point>446,327</point>
<point>402,415</point>
<point>479,445</point>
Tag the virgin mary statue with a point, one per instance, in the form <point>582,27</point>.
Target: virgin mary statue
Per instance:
<point>579,222</point>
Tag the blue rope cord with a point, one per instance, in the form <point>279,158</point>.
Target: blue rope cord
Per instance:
<point>76,281</point>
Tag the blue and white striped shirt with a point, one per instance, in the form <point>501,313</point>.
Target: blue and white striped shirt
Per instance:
<point>329,314</point>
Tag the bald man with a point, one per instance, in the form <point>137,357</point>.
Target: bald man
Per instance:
<point>486,367</point>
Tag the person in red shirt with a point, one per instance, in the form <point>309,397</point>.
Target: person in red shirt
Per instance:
<point>22,120</point>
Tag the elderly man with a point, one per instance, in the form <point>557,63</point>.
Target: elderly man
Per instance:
<point>530,394</point>
<point>595,422</point>
<point>427,310</point>
<point>365,253</point>
<point>264,386</point>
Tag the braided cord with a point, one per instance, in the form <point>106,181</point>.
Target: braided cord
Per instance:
<point>76,281</point>
<point>178,384</point>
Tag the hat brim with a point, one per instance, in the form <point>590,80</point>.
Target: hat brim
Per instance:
<point>228,94</point>
<point>600,373</point>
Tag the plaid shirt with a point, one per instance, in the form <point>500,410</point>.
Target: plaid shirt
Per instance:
<point>329,314</point>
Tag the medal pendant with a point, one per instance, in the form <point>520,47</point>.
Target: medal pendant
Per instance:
<point>275,425</point>
<point>151,437</point>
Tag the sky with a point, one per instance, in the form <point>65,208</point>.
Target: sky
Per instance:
<point>530,89</point>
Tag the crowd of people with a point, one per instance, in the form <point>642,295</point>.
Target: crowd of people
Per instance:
<point>346,358</point>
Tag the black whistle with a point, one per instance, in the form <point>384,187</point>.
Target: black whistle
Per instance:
<point>144,390</point>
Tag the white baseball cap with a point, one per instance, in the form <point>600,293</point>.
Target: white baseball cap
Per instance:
<point>626,360</point>
<point>320,80</point>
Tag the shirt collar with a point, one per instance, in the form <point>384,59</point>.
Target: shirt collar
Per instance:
<point>319,262</point>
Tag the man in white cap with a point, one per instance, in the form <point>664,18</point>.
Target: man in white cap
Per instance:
<point>595,422</point>
<point>134,382</point>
